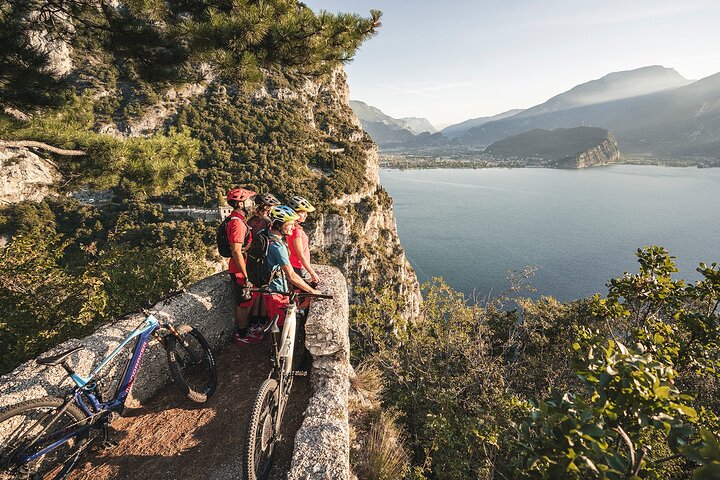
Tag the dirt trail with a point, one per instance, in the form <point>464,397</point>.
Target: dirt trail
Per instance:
<point>174,438</point>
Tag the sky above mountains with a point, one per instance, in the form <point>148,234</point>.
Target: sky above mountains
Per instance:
<point>450,61</point>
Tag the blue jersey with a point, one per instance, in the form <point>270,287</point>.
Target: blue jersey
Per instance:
<point>278,255</point>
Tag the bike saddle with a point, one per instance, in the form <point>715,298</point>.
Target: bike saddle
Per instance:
<point>59,358</point>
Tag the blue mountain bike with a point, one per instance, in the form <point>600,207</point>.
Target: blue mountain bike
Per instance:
<point>45,437</point>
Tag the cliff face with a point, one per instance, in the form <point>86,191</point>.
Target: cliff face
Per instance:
<point>605,153</point>
<point>354,228</point>
<point>578,147</point>
<point>361,237</point>
<point>25,176</point>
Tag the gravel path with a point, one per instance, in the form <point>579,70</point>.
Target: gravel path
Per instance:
<point>174,438</point>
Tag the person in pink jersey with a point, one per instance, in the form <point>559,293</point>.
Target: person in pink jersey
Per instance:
<point>298,242</point>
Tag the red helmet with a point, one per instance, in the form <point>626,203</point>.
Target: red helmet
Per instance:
<point>239,194</point>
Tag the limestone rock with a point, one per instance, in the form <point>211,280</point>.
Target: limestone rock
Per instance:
<point>25,176</point>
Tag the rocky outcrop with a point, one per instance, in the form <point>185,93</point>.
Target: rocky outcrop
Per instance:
<point>25,176</point>
<point>605,153</point>
<point>322,444</point>
<point>578,147</point>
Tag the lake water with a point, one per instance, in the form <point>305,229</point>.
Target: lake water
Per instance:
<point>581,227</point>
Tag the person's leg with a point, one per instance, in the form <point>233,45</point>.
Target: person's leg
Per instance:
<point>244,303</point>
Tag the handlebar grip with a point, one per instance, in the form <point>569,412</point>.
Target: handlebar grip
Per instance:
<point>313,295</point>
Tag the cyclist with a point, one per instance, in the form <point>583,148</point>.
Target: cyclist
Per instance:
<point>259,219</point>
<point>298,242</point>
<point>278,258</point>
<point>257,222</point>
<point>239,236</point>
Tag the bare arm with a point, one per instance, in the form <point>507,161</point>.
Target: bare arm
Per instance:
<point>297,243</point>
<point>237,255</point>
<point>297,280</point>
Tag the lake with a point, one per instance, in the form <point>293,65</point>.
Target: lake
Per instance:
<point>580,227</point>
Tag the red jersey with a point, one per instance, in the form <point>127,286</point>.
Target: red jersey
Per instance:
<point>298,232</point>
<point>237,232</point>
<point>258,223</point>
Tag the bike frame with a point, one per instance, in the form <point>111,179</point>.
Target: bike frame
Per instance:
<point>85,389</point>
<point>287,338</point>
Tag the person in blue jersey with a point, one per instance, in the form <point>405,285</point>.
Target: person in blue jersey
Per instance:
<point>283,220</point>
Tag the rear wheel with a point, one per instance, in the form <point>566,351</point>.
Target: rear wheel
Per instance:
<point>31,426</point>
<point>262,433</point>
<point>192,364</point>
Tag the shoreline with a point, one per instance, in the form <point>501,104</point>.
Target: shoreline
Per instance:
<point>471,165</point>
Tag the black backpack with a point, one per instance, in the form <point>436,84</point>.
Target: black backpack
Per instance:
<point>221,238</point>
<point>256,265</point>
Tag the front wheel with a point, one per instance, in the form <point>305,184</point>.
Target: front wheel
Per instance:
<point>192,364</point>
<point>29,428</point>
<point>262,433</point>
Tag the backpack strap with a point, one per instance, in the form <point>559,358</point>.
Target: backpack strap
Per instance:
<point>246,240</point>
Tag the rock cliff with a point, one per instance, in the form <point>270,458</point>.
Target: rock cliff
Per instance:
<point>603,154</point>
<point>25,176</point>
<point>354,228</point>
<point>578,147</point>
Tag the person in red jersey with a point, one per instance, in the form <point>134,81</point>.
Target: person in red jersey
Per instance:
<point>239,236</point>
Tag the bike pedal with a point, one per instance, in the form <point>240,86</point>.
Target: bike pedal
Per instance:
<point>299,373</point>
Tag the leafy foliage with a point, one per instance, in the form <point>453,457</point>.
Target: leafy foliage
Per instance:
<point>632,380</point>
<point>69,267</point>
<point>158,41</point>
<point>134,166</point>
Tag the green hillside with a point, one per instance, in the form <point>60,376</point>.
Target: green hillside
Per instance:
<point>69,266</point>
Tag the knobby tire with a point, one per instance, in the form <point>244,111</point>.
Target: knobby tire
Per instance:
<point>192,367</point>
<point>261,433</point>
<point>20,424</point>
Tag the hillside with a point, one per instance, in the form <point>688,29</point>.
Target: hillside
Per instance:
<point>578,147</point>
<point>271,123</point>
<point>611,87</point>
<point>369,115</point>
<point>677,122</point>
<point>459,129</point>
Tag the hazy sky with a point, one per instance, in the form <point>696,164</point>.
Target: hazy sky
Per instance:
<point>459,59</point>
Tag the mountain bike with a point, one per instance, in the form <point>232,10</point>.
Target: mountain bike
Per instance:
<point>44,437</point>
<point>266,415</point>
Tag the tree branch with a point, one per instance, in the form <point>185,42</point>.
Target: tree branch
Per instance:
<point>42,146</point>
<point>629,443</point>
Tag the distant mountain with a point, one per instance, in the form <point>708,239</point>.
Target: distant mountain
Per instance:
<point>459,129</point>
<point>681,121</point>
<point>561,148</point>
<point>611,87</point>
<point>418,125</point>
<point>387,135</point>
<point>368,113</point>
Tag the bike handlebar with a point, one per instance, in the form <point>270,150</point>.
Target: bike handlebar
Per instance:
<point>290,294</point>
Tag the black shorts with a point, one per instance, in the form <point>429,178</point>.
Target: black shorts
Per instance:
<point>303,273</point>
<point>305,276</point>
<point>243,295</point>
